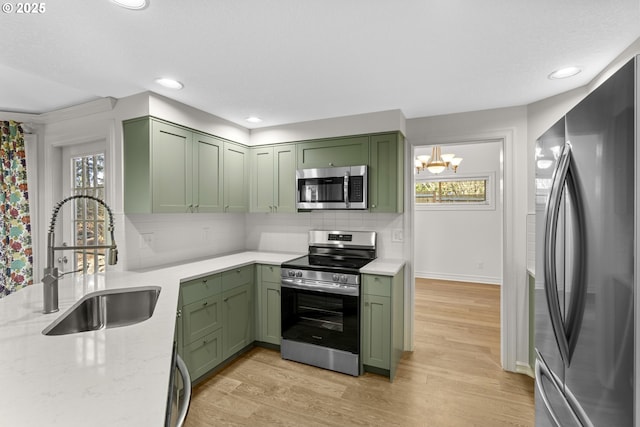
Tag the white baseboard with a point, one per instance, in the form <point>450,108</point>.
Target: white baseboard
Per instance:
<point>524,368</point>
<point>460,278</point>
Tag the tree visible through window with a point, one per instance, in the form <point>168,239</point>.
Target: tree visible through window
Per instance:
<point>452,191</point>
<point>89,224</point>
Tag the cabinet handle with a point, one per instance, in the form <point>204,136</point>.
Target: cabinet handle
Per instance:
<point>204,341</point>
<point>204,281</point>
<point>205,303</point>
<point>226,207</point>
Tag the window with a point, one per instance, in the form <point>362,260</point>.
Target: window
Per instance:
<point>455,192</point>
<point>89,222</point>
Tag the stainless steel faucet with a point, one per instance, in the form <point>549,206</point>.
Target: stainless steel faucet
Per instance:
<point>50,279</point>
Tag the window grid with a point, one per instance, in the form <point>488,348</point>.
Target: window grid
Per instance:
<point>89,223</point>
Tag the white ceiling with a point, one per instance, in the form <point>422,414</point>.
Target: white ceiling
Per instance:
<point>295,60</point>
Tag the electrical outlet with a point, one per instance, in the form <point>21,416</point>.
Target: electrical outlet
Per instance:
<point>146,240</point>
<point>397,236</point>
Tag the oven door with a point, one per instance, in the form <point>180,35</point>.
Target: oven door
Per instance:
<point>318,316</point>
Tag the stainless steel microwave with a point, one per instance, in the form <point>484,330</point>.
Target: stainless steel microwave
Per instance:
<point>332,188</point>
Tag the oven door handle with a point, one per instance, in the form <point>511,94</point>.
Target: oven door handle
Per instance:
<point>321,287</point>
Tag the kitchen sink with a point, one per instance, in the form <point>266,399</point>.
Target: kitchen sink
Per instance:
<point>111,308</point>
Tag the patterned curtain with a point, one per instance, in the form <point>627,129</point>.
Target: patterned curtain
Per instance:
<point>16,258</point>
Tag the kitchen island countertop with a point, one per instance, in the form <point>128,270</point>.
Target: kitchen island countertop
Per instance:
<point>111,377</point>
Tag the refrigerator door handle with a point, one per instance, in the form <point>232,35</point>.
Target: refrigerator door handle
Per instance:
<point>566,334</point>
<point>568,399</point>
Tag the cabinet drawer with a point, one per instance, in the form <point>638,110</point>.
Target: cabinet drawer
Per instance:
<point>198,289</point>
<point>204,354</point>
<point>377,285</point>
<point>237,277</point>
<point>201,318</point>
<point>270,273</point>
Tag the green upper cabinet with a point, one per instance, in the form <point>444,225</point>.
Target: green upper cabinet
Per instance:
<point>169,168</point>
<point>386,173</point>
<point>207,173</point>
<point>350,151</point>
<point>273,173</point>
<point>236,177</point>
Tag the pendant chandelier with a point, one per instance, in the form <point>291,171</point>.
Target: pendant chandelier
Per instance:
<point>437,162</point>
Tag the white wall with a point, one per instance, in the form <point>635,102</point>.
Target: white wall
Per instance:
<point>466,244</point>
<point>509,125</point>
<point>383,121</point>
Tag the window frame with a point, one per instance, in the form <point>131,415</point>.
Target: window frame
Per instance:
<point>488,204</point>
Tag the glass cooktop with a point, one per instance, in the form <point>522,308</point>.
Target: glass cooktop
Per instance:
<point>328,263</point>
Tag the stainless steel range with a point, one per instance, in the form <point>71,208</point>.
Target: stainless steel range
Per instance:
<point>321,300</point>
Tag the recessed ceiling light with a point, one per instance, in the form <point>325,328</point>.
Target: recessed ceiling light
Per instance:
<point>131,4</point>
<point>169,83</point>
<point>253,119</point>
<point>563,73</point>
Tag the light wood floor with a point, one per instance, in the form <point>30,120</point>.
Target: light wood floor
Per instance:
<point>453,378</point>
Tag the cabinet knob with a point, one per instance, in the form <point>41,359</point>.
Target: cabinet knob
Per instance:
<point>204,341</point>
<point>330,164</point>
<point>373,206</point>
<point>179,313</point>
<point>205,303</point>
<point>225,300</point>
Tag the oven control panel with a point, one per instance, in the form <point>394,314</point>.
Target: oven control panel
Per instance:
<point>321,276</point>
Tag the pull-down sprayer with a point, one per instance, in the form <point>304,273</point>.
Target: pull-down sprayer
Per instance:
<point>50,279</point>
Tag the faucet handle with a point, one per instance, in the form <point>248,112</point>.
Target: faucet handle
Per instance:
<point>112,258</point>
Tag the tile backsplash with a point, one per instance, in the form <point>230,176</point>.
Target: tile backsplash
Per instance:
<point>289,232</point>
<point>161,239</point>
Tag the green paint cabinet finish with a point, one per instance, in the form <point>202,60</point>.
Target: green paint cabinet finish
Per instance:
<point>382,322</point>
<point>237,319</point>
<point>204,354</point>
<point>268,287</point>
<point>273,173</point>
<point>236,177</point>
<point>201,318</point>
<point>333,152</point>
<point>386,173</point>
<point>169,168</point>
<point>207,173</point>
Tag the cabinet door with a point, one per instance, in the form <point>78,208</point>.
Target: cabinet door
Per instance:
<point>236,178</point>
<point>201,318</point>
<point>262,179</point>
<point>207,173</point>
<point>237,310</point>
<point>284,186</point>
<point>270,313</point>
<point>335,152</point>
<point>376,344</point>
<point>171,166</point>
<point>204,354</point>
<point>386,181</point>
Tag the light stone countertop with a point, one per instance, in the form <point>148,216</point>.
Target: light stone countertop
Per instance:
<point>386,267</point>
<point>112,377</point>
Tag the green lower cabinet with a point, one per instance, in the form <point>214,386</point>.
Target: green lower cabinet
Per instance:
<point>268,304</point>
<point>201,318</point>
<point>237,319</point>
<point>376,350</point>
<point>270,313</point>
<point>382,322</point>
<point>204,354</point>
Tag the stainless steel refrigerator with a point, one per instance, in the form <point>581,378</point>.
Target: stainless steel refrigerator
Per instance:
<point>585,264</point>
